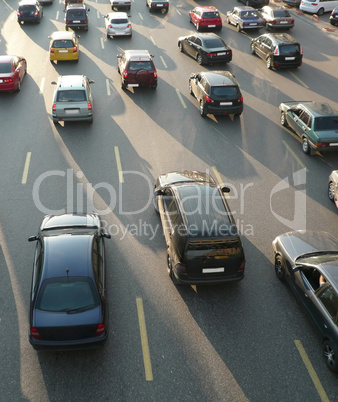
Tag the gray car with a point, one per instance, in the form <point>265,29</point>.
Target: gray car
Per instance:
<point>333,187</point>
<point>73,99</point>
<point>118,24</point>
<point>308,262</point>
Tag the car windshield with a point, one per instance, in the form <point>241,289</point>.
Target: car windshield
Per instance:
<point>140,65</point>
<point>285,50</point>
<point>212,43</point>
<point>211,15</point>
<point>5,68</point>
<point>71,95</point>
<point>249,14</point>
<point>224,91</point>
<point>281,13</point>
<point>76,13</point>
<point>67,294</point>
<point>61,43</point>
<point>119,21</point>
<point>326,123</point>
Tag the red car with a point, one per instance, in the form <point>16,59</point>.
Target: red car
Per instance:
<point>12,71</point>
<point>206,17</point>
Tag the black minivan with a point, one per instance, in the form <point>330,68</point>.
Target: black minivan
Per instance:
<point>77,16</point>
<point>29,11</point>
<point>203,243</point>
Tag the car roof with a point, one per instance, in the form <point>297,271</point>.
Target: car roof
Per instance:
<point>70,220</point>
<point>206,8</point>
<point>71,81</point>
<point>62,35</point>
<point>72,6</point>
<point>206,35</point>
<point>27,3</point>
<point>282,38</point>
<point>185,176</point>
<point>118,14</point>
<point>318,109</point>
<point>6,58</point>
<point>219,78</point>
<point>67,252</point>
<point>140,55</point>
<point>244,8</point>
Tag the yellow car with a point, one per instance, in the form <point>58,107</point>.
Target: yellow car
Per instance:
<point>64,45</point>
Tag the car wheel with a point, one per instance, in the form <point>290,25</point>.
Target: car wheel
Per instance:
<point>123,85</point>
<point>306,146</point>
<point>108,36</point>
<point>154,86</point>
<point>202,110</point>
<point>279,269</point>
<point>283,121</point>
<point>91,121</point>
<point>329,356</point>
<point>238,28</point>
<point>252,48</point>
<point>227,20</point>
<point>66,28</point>
<point>180,47</point>
<point>190,89</point>
<point>331,191</point>
<point>19,85</point>
<point>55,121</point>
<point>320,11</point>
<point>268,63</point>
<point>198,27</point>
<point>199,59</point>
<point>190,20</point>
<point>170,271</point>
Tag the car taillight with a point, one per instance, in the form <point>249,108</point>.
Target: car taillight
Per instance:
<point>110,26</point>
<point>35,333</point>
<point>273,22</point>
<point>100,329</point>
<point>54,107</point>
<point>129,26</point>
<point>51,50</point>
<point>7,80</point>
<point>181,268</point>
<point>208,99</point>
<point>322,144</point>
<point>242,266</point>
<point>301,50</point>
<point>276,52</point>
<point>155,74</point>
<point>36,13</point>
<point>240,99</point>
<point>85,21</point>
<point>211,54</point>
<point>74,49</point>
<point>292,21</point>
<point>125,73</point>
<point>89,106</point>
<point>67,21</point>
<point>314,4</point>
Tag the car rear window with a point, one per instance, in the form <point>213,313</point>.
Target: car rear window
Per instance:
<point>210,15</point>
<point>5,68</point>
<point>119,21</point>
<point>71,95</point>
<point>213,42</point>
<point>76,13</point>
<point>326,123</point>
<point>281,13</point>
<point>226,247</point>
<point>61,43</point>
<point>140,65</point>
<point>285,50</point>
<point>67,293</point>
<point>225,91</point>
<point>28,8</point>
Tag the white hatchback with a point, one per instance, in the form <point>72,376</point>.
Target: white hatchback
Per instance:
<point>118,24</point>
<point>318,7</point>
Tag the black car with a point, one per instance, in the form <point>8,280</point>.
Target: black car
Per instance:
<point>255,3</point>
<point>308,262</point>
<point>158,5</point>
<point>29,11</point>
<point>68,303</point>
<point>205,48</point>
<point>278,50</point>
<point>217,92</point>
<point>77,16</point>
<point>334,16</point>
<point>203,243</point>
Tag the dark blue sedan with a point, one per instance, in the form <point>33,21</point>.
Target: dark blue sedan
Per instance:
<point>68,304</point>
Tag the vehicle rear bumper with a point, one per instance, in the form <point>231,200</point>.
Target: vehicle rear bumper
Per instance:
<point>73,118</point>
<point>219,110</point>
<point>87,343</point>
<point>60,57</point>
<point>186,280</point>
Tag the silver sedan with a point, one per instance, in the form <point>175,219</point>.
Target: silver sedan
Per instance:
<point>118,24</point>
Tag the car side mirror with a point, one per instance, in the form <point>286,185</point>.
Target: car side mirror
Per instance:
<point>91,82</point>
<point>152,56</point>
<point>53,82</point>
<point>119,56</point>
<point>193,76</point>
<point>225,189</point>
<point>106,235</point>
<point>159,192</point>
<point>33,238</point>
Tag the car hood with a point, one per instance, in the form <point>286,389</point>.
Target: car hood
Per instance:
<point>301,242</point>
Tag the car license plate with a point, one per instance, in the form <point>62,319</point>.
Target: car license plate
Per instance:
<point>76,22</point>
<point>211,26</point>
<point>289,58</point>
<point>133,85</point>
<point>63,51</point>
<point>159,5</point>
<point>221,54</point>
<point>212,270</point>
<point>72,111</point>
<point>225,103</point>
<point>334,144</point>
<point>283,22</point>
<point>253,23</point>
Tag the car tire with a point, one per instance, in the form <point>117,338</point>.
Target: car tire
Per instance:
<point>180,46</point>
<point>190,89</point>
<point>198,26</point>
<point>227,20</point>
<point>238,28</point>
<point>202,110</point>
<point>320,11</point>
<point>279,269</point>
<point>283,121</point>
<point>306,146</point>
<point>123,85</point>
<point>252,49</point>
<point>108,36</point>
<point>18,88</point>
<point>66,28</point>
<point>170,271</point>
<point>154,86</point>
<point>199,59</point>
<point>330,356</point>
<point>331,191</point>
<point>268,63</point>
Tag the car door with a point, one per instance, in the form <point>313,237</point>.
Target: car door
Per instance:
<point>190,45</point>
<point>326,304</point>
<point>194,84</point>
<point>292,117</point>
<point>259,48</point>
<point>301,124</point>
<point>196,47</point>
<point>235,17</point>
<point>163,206</point>
<point>194,16</point>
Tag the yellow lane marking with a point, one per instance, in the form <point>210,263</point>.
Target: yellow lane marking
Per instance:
<point>312,372</point>
<point>144,340</point>
<point>118,163</point>
<point>25,169</point>
<point>299,80</point>
<point>295,155</point>
<point>219,179</point>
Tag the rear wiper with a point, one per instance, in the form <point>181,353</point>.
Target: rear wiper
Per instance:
<point>78,309</point>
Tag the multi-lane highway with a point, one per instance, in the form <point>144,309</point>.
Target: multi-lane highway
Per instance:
<point>247,341</point>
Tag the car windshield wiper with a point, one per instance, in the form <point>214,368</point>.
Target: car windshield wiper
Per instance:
<point>78,309</point>
<point>315,254</point>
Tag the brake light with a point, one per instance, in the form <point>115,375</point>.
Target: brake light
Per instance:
<point>211,54</point>
<point>155,74</point>
<point>89,106</point>
<point>322,144</point>
<point>35,333</point>
<point>242,266</point>
<point>74,49</point>
<point>51,50</point>
<point>125,74</point>
<point>301,50</point>
<point>208,99</point>
<point>7,80</point>
<point>100,329</point>
<point>67,21</point>
<point>181,268</point>
<point>314,4</point>
<point>85,21</point>
<point>292,21</point>
<point>240,99</point>
<point>276,52</point>
<point>54,107</point>
<point>129,26</point>
<point>36,13</point>
<point>110,26</point>
<point>273,22</point>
